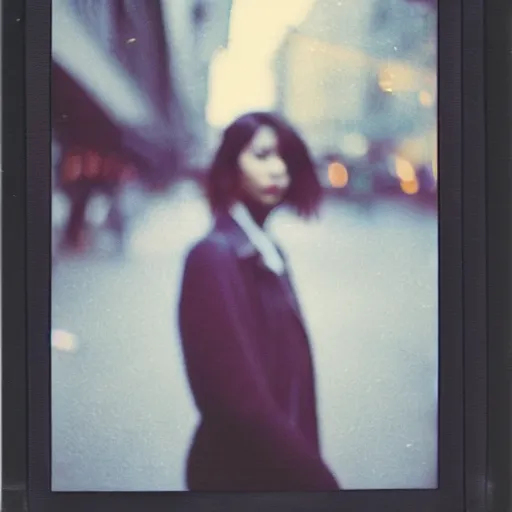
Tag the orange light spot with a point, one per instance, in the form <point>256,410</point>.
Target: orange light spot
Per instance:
<point>426,99</point>
<point>338,175</point>
<point>386,79</point>
<point>72,167</point>
<point>410,187</point>
<point>404,169</point>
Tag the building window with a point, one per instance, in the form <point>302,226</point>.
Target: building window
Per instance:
<point>381,16</point>
<point>199,14</point>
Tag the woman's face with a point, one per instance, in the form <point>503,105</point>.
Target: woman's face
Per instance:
<point>264,176</point>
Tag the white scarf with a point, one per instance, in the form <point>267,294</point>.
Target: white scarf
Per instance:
<point>259,238</point>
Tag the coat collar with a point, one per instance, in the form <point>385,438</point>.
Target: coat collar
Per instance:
<point>246,250</point>
<point>240,240</point>
<point>235,236</point>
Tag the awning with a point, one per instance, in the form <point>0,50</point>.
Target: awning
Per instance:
<point>100,74</point>
<point>79,120</point>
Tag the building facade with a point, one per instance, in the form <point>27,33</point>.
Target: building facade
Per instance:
<point>197,29</point>
<point>142,67</point>
<point>348,74</point>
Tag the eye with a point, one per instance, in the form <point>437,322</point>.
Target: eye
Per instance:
<point>263,154</point>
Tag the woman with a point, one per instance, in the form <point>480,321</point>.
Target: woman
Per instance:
<point>246,349</point>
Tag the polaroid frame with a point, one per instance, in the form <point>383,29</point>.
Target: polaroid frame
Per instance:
<point>498,94</point>
<point>474,257</point>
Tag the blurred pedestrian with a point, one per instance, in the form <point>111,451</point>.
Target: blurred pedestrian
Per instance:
<point>246,348</point>
<point>117,171</point>
<point>83,174</point>
<point>71,179</point>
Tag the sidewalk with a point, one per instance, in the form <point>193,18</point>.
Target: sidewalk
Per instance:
<point>122,412</point>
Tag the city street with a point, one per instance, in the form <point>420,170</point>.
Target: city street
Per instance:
<point>367,281</point>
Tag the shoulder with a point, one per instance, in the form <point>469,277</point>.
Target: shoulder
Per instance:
<point>212,250</point>
<point>209,264</point>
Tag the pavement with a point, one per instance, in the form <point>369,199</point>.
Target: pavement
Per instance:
<point>122,413</point>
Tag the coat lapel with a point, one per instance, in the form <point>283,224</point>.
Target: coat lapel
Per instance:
<point>289,288</point>
<point>246,251</point>
<point>235,236</point>
<point>292,299</point>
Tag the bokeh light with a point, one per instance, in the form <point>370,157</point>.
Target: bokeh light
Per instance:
<point>64,341</point>
<point>355,145</point>
<point>386,80</point>
<point>338,175</point>
<point>426,99</point>
<point>410,187</point>
<point>404,169</point>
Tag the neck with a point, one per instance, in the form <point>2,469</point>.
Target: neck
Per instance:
<point>258,211</point>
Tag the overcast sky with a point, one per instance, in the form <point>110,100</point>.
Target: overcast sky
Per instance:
<point>241,77</point>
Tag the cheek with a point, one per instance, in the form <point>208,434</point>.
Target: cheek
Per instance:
<point>250,172</point>
<point>249,183</point>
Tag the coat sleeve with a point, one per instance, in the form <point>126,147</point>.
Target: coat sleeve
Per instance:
<point>227,384</point>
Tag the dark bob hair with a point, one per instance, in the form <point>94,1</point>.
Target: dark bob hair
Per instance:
<point>305,192</point>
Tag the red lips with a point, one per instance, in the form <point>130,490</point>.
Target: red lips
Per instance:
<point>273,190</point>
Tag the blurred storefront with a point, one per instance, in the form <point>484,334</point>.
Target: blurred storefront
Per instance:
<point>105,97</point>
<point>197,29</point>
<point>129,85</point>
<point>143,67</point>
<point>361,86</point>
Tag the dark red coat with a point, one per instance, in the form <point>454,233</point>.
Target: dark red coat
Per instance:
<point>250,369</point>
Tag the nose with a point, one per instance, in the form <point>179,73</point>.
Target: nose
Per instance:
<point>279,169</point>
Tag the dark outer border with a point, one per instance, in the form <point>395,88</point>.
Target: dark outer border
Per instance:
<point>498,67</point>
<point>474,255</point>
<point>450,494</point>
<point>14,368</point>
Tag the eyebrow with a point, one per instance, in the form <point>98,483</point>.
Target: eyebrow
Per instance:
<point>266,149</point>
